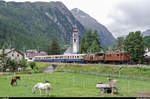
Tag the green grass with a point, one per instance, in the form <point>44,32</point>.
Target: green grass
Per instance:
<point>39,65</point>
<point>105,69</point>
<point>65,84</point>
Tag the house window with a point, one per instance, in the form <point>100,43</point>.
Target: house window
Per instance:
<point>74,40</point>
<point>17,55</point>
<point>12,54</point>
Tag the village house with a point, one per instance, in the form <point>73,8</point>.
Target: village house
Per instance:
<point>147,52</point>
<point>147,55</point>
<point>30,54</point>
<point>13,54</point>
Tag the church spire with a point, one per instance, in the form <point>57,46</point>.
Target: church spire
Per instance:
<point>75,37</point>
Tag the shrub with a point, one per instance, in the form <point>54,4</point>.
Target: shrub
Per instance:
<point>32,65</point>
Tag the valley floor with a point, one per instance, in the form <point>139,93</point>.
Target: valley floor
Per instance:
<point>66,84</point>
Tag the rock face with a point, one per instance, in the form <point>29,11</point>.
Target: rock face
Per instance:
<point>33,25</point>
<point>90,23</point>
<point>146,33</point>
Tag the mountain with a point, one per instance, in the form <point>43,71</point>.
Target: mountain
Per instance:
<point>146,33</point>
<point>90,23</point>
<point>26,25</point>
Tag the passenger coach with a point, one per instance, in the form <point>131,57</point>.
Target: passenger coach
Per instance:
<point>61,58</point>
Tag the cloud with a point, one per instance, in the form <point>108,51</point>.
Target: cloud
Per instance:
<point>129,16</point>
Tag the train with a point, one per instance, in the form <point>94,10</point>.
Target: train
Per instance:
<point>99,57</point>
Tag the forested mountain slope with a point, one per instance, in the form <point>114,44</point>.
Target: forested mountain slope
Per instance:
<point>26,25</point>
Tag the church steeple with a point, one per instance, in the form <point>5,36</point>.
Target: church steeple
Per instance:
<point>75,36</point>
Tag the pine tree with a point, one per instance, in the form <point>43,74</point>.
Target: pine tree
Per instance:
<point>54,48</point>
<point>95,46</point>
<point>90,42</point>
<point>120,43</point>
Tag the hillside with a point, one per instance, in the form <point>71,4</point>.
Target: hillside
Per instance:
<point>122,71</point>
<point>26,25</point>
<point>90,23</point>
<point>147,41</point>
<point>146,33</point>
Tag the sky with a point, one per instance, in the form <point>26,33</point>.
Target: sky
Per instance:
<point>119,16</point>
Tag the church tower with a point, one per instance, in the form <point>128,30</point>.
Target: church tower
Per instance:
<point>75,38</point>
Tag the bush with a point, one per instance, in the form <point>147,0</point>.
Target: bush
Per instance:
<point>32,65</point>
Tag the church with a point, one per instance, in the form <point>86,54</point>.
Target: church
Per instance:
<point>75,42</point>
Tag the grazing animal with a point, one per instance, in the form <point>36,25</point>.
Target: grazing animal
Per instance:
<point>14,80</point>
<point>42,86</point>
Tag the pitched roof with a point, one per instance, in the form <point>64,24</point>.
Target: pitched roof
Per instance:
<point>6,51</point>
<point>33,54</point>
<point>68,51</point>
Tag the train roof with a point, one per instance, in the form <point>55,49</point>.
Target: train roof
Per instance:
<point>116,52</point>
<point>62,55</point>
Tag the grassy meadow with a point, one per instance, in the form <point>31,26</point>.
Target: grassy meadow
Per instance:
<point>66,84</point>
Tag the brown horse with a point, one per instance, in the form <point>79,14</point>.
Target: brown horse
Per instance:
<point>14,80</point>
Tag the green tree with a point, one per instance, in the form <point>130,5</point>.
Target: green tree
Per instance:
<point>22,63</point>
<point>146,42</point>
<point>3,59</point>
<point>32,65</point>
<point>13,64</point>
<point>134,45</point>
<point>54,48</point>
<point>120,43</point>
<point>90,42</point>
<point>95,47</point>
<point>83,47</point>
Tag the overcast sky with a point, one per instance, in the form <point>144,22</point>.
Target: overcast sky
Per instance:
<point>119,16</point>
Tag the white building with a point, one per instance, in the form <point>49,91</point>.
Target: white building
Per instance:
<point>13,54</point>
<point>147,52</point>
<point>75,42</point>
<point>30,54</point>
